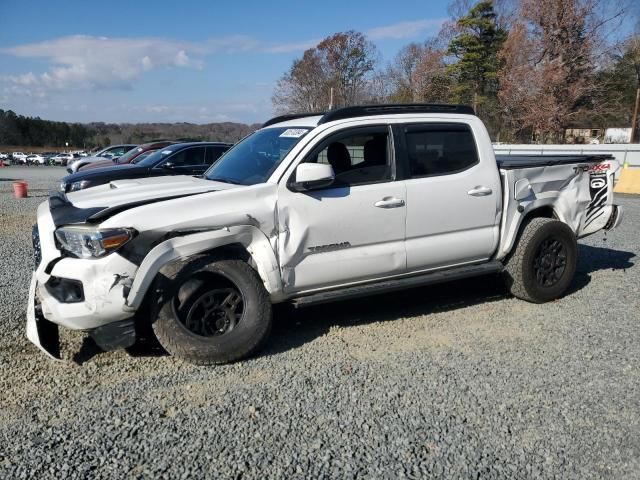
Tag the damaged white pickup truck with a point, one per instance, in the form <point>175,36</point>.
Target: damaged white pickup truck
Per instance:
<point>310,208</point>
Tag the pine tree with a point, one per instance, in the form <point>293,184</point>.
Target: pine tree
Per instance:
<point>476,48</point>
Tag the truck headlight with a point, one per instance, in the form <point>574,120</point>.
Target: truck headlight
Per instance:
<point>90,242</point>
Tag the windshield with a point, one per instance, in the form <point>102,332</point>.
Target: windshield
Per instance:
<point>126,157</point>
<point>255,158</point>
<point>141,157</point>
<point>152,159</point>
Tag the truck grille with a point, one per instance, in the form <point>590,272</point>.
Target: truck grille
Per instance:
<point>37,252</point>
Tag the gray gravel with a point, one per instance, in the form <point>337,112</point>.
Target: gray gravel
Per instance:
<point>453,381</point>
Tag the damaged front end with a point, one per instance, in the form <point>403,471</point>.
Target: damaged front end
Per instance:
<point>80,282</point>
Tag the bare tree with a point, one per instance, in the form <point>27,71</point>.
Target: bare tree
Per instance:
<point>350,59</point>
<point>305,87</point>
<point>401,73</point>
<point>549,64</point>
<point>418,74</point>
<point>344,62</point>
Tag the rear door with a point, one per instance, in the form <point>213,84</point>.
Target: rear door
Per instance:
<point>453,198</point>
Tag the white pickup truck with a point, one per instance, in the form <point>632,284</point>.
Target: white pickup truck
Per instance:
<point>310,208</point>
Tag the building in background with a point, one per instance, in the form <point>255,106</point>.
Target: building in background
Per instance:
<point>581,135</point>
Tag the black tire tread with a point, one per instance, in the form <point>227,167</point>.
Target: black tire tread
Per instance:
<point>515,263</point>
<point>164,328</point>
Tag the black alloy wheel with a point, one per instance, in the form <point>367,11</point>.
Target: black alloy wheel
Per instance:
<point>550,262</point>
<point>212,312</point>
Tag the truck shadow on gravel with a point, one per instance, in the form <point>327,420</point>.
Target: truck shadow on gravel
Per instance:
<point>294,327</point>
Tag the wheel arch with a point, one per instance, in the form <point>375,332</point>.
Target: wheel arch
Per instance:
<point>245,243</point>
<point>516,221</point>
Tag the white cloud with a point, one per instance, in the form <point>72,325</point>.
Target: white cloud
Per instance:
<point>291,47</point>
<point>85,62</point>
<point>88,63</point>
<point>404,29</point>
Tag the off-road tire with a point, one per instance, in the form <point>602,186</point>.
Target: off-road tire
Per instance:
<point>520,271</point>
<point>250,332</point>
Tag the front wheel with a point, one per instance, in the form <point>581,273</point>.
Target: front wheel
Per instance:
<point>543,262</point>
<point>212,312</point>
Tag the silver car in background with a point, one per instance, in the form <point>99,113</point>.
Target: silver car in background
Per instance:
<point>112,152</point>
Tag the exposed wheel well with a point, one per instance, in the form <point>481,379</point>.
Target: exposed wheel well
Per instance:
<point>232,251</point>
<point>540,212</point>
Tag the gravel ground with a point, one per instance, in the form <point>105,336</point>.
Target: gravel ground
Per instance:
<point>452,381</point>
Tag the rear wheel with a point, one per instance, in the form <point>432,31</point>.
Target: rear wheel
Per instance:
<point>543,262</point>
<point>212,313</point>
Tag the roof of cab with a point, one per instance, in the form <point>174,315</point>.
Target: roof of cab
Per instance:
<point>310,121</point>
<point>315,119</point>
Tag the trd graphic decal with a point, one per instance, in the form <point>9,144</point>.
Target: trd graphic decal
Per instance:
<point>598,189</point>
<point>600,167</point>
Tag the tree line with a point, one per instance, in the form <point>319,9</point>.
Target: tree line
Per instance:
<point>530,68</point>
<point>18,130</point>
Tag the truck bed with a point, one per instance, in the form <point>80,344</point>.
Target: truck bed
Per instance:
<point>507,161</point>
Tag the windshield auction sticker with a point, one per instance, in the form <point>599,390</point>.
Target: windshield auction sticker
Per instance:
<point>294,132</point>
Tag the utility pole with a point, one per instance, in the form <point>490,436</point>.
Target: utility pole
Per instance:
<point>331,99</point>
<point>634,120</point>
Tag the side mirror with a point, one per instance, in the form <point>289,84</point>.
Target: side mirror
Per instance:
<point>168,166</point>
<point>312,176</point>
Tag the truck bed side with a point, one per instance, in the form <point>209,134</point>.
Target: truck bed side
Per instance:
<point>577,190</point>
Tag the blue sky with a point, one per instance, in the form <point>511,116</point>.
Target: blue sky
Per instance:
<point>191,61</point>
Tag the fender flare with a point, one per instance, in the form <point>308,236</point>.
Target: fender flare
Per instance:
<point>250,237</point>
<point>515,225</point>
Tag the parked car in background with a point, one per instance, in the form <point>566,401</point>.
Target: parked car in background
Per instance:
<point>19,158</point>
<point>110,153</point>
<point>179,159</point>
<point>4,156</point>
<point>35,159</point>
<point>63,159</point>
<point>132,156</point>
<point>48,157</point>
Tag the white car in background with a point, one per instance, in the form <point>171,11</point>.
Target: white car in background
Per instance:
<point>35,159</point>
<point>63,159</point>
<point>19,157</point>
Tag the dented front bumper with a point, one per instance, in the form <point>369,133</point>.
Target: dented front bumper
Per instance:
<point>79,294</point>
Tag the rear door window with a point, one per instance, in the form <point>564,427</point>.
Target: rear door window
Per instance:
<point>439,149</point>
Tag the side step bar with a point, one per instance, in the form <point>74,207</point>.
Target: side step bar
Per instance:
<point>403,283</point>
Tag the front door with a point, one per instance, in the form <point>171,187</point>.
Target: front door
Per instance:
<point>353,230</point>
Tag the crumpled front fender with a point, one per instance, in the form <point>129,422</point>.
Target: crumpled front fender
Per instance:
<point>250,237</point>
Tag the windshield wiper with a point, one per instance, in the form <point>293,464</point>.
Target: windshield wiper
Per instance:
<point>225,180</point>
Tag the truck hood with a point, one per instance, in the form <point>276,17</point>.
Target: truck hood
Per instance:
<point>97,203</point>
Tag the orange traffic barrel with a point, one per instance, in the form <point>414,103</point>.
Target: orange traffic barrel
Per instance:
<point>20,189</point>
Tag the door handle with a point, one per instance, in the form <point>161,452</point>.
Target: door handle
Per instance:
<point>480,191</point>
<point>389,202</point>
